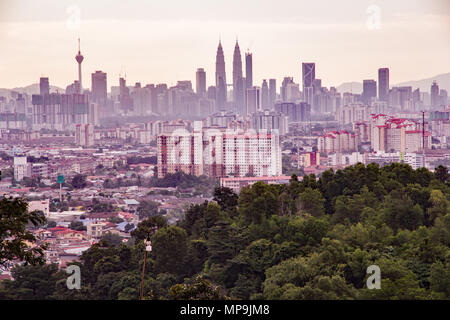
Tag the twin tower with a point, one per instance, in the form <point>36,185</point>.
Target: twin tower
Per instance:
<point>240,84</point>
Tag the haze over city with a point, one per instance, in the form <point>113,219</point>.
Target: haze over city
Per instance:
<point>241,151</point>
<point>166,41</point>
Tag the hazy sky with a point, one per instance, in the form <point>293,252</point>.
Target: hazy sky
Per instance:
<point>167,40</point>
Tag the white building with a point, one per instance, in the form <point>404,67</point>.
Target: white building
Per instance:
<point>21,168</point>
<point>219,153</point>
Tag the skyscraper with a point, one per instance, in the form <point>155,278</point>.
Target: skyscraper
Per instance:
<point>383,84</point>
<point>253,100</point>
<point>308,74</point>
<point>44,86</point>
<point>434,93</point>
<point>79,57</point>
<point>369,90</point>
<point>238,83</point>
<point>248,70</point>
<point>99,87</point>
<point>272,92</point>
<point>264,95</point>
<point>126,103</point>
<point>221,79</point>
<point>308,77</point>
<point>200,77</point>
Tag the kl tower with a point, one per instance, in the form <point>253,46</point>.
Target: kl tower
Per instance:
<point>79,57</point>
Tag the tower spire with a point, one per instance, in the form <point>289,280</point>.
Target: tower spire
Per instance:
<point>79,58</point>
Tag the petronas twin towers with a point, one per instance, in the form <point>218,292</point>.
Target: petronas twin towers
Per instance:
<point>239,83</point>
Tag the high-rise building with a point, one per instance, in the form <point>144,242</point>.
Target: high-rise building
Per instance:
<point>253,100</point>
<point>272,92</point>
<point>59,111</point>
<point>434,93</point>
<point>238,83</point>
<point>126,103</point>
<point>84,135</point>
<point>308,74</point>
<point>296,112</point>
<point>265,95</point>
<point>221,79</point>
<point>99,88</point>
<point>248,70</point>
<point>383,84</point>
<point>218,153</point>
<point>44,86</point>
<point>200,77</point>
<point>270,121</point>
<point>369,91</point>
<point>79,58</point>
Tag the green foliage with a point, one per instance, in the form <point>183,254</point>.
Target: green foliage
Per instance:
<point>309,239</point>
<point>14,235</point>
<point>79,181</point>
<point>147,208</point>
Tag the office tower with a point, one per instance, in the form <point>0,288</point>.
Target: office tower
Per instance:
<point>272,92</point>
<point>99,88</point>
<point>265,95</point>
<point>200,79</point>
<point>443,98</point>
<point>296,112</point>
<point>248,70</point>
<point>44,86</point>
<point>383,84</point>
<point>221,79</point>
<point>253,100</point>
<point>270,121</point>
<point>401,98</point>
<point>211,93</point>
<point>126,103</point>
<point>369,91</point>
<point>434,93</point>
<point>79,58</point>
<point>283,89</point>
<point>308,74</point>
<point>238,83</point>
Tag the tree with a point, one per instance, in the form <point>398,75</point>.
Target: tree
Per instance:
<point>441,173</point>
<point>77,225</point>
<point>197,289</point>
<point>14,218</point>
<point>312,202</point>
<point>32,282</point>
<point>112,239</point>
<point>170,248</point>
<point>148,225</point>
<point>147,208</point>
<point>79,181</point>
<point>400,211</point>
<point>227,199</point>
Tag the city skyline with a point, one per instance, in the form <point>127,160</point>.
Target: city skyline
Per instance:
<point>129,47</point>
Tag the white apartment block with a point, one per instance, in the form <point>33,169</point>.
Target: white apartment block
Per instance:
<point>337,141</point>
<point>389,134</point>
<point>219,153</point>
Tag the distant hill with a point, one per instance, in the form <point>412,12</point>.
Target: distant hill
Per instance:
<point>443,80</point>
<point>31,89</point>
<point>353,87</point>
